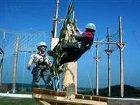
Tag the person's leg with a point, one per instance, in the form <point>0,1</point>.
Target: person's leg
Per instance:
<point>46,75</point>
<point>69,46</point>
<point>36,77</point>
<point>68,57</point>
<point>70,52</point>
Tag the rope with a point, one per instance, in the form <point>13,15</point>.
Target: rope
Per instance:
<point>66,35</point>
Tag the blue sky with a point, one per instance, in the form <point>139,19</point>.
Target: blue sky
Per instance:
<point>36,16</point>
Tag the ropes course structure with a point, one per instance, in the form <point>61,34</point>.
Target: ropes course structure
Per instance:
<point>29,40</point>
<point>17,46</point>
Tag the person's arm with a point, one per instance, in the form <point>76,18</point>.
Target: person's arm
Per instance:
<point>79,37</point>
<point>48,62</point>
<point>78,34</point>
<point>30,62</point>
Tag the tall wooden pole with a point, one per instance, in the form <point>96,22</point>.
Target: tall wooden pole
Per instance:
<point>56,20</point>
<point>121,46</point>
<point>97,58</point>
<point>15,64</point>
<point>55,40</point>
<point>109,51</point>
<point>1,62</point>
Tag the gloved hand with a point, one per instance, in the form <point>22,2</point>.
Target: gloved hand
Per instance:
<point>41,60</point>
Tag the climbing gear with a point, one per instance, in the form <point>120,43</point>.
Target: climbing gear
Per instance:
<point>42,44</point>
<point>91,26</point>
<point>66,35</point>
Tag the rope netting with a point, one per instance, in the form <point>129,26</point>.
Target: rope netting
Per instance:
<point>27,45</point>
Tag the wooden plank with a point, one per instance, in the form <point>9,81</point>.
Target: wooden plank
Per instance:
<point>63,94</point>
<point>99,98</point>
<point>88,97</point>
<point>51,96</point>
<point>42,102</point>
<point>59,99</point>
<point>49,92</point>
<point>79,96</point>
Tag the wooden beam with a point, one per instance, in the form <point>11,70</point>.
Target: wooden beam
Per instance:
<point>51,96</point>
<point>42,102</point>
<point>100,98</point>
<point>49,92</point>
<point>44,91</point>
<point>59,99</point>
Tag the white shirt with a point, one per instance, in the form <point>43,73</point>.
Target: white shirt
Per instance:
<point>35,58</point>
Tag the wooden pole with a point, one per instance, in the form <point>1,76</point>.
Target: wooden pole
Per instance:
<point>1,62</point>
<point>97,58</point>
<point>108,52</point>
<point>121,46</point>
<point>56,20</point>
<point>54,39</point>
<point>15,64</point>
<point>109,70</point>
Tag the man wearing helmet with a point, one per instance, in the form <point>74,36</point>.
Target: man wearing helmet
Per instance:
<point>74,50</point>
<point>42,66</point>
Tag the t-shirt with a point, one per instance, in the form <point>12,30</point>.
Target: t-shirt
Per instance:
<point>37,58</point>
<point>88,38</point>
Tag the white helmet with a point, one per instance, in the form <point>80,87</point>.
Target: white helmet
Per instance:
<point>42,44</point>
<point>91,26</point>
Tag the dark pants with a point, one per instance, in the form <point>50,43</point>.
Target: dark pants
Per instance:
<point>39,73</point>
<point>72,52</point>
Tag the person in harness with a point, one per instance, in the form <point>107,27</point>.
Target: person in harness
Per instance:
<point>74,50</point>
<point>41,67</point>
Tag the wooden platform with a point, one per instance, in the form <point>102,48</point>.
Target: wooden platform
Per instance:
<point>50,97</point>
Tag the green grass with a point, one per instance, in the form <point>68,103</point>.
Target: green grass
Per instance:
<point>17,101</point>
